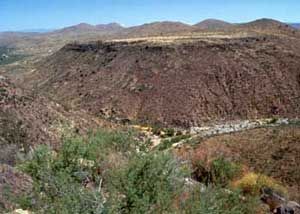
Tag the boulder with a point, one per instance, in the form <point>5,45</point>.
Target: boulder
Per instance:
<point>278,204</point>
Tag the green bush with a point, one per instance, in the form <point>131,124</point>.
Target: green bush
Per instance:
<point>59,177</point>
<point>156,129</point>
<point>170,132</point>
<point>224,171</point>
<point>218,172</point>
<point>216,200</point>
<point>58,182</point>
<point>167,143</point>
<point>148,184</point>
<point>125,178</point>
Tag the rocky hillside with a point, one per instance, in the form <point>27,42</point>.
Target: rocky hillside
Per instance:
<point>184,83</point>
<point>28,120</point>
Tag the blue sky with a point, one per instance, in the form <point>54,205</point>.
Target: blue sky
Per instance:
<point>51,14</point>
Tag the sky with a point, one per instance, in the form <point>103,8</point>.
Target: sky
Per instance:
<point>16,15</point>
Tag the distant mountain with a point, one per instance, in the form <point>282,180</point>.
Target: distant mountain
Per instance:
<point>212,24</point>
<point>43,43</point>
<point>84,28</point>
<point>295,25</point>
<point>76,28</point>
<point>269,26</point>
<point>38,30</point>
<point>265,23</point>
<point>11,39</point>
<point>158,28</point>
<point>110,26</point>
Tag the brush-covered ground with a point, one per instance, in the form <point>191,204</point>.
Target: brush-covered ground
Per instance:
<point>120,172</point>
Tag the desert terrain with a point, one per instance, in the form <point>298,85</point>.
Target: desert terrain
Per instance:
<point>210,93</point>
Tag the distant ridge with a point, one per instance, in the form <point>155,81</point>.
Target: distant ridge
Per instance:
<point>212,24</point>
<point>265,23</point>
<point>79,27</point>
<point>84,27</point>
<point>161,27</point>
<point>37,30</point>
<point>295,25</point>
<point>110,26</point>
<point>33,41</point>
<point>157,28</point>
<point>269,26</point>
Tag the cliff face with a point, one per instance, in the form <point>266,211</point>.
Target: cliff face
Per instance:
<point>182,84</point>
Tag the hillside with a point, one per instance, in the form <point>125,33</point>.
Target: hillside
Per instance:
<point>156,29</point>
<point>213,24</point>
<point>181,84</point>
<point>271,151</point>
<point>269,26</point>
<point>28,120</point>
<point>87,28</point>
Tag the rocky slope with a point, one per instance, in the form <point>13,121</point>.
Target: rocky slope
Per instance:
<point>183,83</point>
<point>28,120</point>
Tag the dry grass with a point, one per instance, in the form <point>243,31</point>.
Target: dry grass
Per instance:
<point>206,36</point>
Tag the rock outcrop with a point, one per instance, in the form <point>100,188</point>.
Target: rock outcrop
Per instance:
<point>278,204</point>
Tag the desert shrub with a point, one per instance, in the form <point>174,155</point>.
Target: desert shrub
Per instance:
<point>252,183</point>
<point>163,132</point>
<point>148,184</point>
<point>40,161</point>
<point>224,171</point>
<point>273,120</point>
<point>218,172</point>
<point>178,138</point>
<point>60,177</point>
<point>216,200</point>
<point>62,193</point>
<point>169,132</point>
<point>156,129</point>
<point>167,143</point>
<point>58,181</point>
<point>125,178</point>
<point>120,141</point>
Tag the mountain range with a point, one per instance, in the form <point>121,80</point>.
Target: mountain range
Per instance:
<point>295,25</point>
<point>211,24</point>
